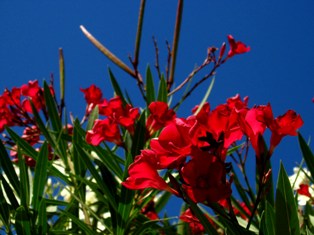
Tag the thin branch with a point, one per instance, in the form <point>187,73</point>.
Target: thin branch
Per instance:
<point>108,53</point>
<point>139,33</point>
<point>157,57</point>
<point>212,73</point>
<point>175,43</point>
<point>191,75</point>
<point>168,60</point>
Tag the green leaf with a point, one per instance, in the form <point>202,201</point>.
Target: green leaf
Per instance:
<point>106,155</point>
<point>125,202</point>
<point>92,117</point>
<point>42,126</point>
<point>268,220</point>
<point>7,166</point>
<point>162,90</point>
<point>24,146</point>
<point>242,192</point>
<point>150,90</point>
<point>53,138</point>
<point>9,192</point>
<point>138,141</point>
<point>202,218</point>
<point>79,167</point>
<point>116,86</point>
<point>80,224</point>
<point>22,221</point>
<point>162,200</point>
<point>4,209</point>
<point>52,109</point>
<point>40,176</point>
<point>42,223</point>
<point>211,85</point>
<point>103,184</point>
<point>287,221</point>
<point>24,180</point>
<point>307,154</point>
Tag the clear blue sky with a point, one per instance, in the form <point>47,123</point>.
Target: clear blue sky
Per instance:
<point>279,68</point>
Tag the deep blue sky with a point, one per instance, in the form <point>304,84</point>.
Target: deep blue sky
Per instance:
<point>279,68</point>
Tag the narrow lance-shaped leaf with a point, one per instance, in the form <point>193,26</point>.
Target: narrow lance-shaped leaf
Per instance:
<point>92,117</point>
<point>307,154</point>
<point>125,203</point>
<point>9,192</point>
<point>79,224</point>
<point>150,89</point>
<point>7,166</point>
<point>205,96</point>
<point>202,218</point>
<point>4,209</point>
<point>24,180</point>
<point>22,221</point>
<point>42,218</point>
<point>40,176</point>
<point>138,140</point>
<point>162,90</point>
<point>287,221</point>
<point>101,182</point>
<point>52,109</point>
<point>116,86</point>
<point>267,226</point>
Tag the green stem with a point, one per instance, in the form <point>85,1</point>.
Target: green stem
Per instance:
<point>62,80</point>
<point>108,53</point>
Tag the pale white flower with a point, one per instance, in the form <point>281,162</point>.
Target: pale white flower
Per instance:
<point>301,176</point>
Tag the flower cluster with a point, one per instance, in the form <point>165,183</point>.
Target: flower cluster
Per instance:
<point>117,114</point>
<point>16,110</point>
<point>15,104</point>
<point>196,147</point>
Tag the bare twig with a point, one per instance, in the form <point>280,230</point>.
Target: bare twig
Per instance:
<point>168,60</point>
<point>212,73</point>
<point>191,75</point>
<point>157,58</point>
<point>175,43</point>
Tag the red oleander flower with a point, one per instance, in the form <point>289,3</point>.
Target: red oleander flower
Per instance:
<point>175,138</point>
<point>304,190</point>
<point>28,160</point>
<point>195,225</point>
<point>143,173</point>
<point>160,115</point>
<point>6,116</point>
<point>31,135</point>
<point>286,124</point>
<point>219,126</point>
<point>204,179</point>
<point>34,92</point>
<point>104,130</point>
<point>13,97</point>
<point>253,123</point>
<point>236,47</point>
<point>93,96</point>
<point>167,159</point>
<point>149,211</point>
<point>118,113</point>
